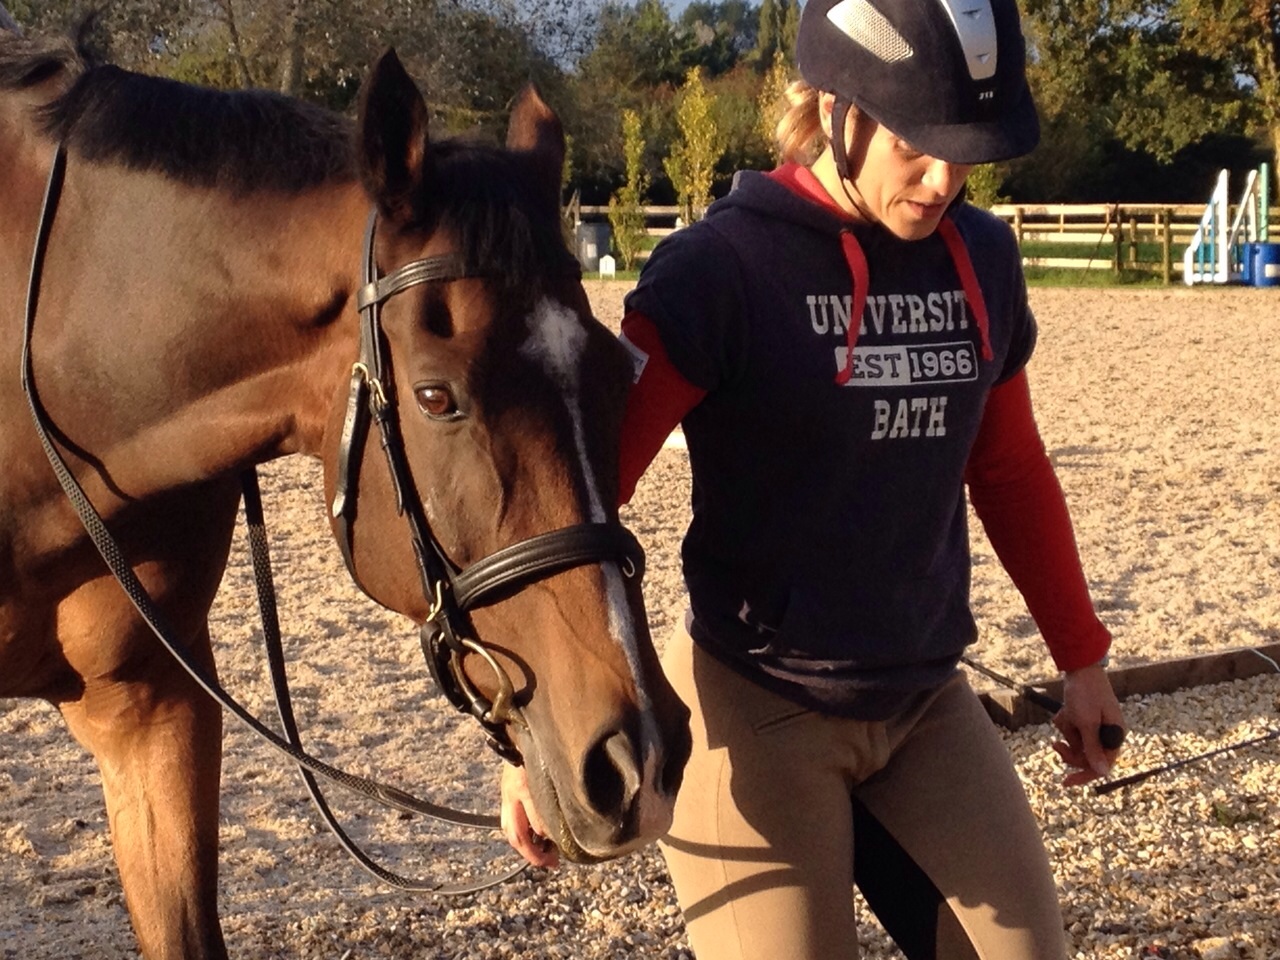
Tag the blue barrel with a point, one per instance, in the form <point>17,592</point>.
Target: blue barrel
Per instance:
<point>1266,264</point>
<point>1248,253</point>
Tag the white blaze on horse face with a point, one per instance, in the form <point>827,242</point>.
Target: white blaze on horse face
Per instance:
<point>558,341</point>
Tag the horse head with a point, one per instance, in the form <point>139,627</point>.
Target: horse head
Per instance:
<point>501,398</point>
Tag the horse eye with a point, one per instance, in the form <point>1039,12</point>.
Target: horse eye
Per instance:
<point>437,402</point>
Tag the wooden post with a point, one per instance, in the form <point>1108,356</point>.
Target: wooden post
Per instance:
<point>1117,260</point>
<point>1167,245</point>
<point>1017,225</point>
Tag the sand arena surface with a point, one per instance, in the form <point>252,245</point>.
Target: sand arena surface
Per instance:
<point>1161,410</point>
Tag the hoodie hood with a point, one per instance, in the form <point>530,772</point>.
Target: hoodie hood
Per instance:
<point>793,193</point>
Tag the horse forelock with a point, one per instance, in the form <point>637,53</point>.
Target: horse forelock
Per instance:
<point>487,199</point>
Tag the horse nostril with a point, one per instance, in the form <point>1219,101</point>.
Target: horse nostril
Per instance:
<point>612,774</point>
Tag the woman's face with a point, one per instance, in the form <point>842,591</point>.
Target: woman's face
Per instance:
<point>894,184</point>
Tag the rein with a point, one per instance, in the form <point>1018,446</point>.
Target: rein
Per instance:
<point>505,570</point>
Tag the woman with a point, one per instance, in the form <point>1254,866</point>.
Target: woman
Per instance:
<point>844,341</point>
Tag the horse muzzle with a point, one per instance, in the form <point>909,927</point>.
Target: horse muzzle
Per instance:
<point>619,795</point>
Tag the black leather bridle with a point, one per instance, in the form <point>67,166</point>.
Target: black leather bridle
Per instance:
<point>447,635</point>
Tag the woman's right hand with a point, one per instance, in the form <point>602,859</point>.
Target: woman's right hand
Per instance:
<point>521,824</point>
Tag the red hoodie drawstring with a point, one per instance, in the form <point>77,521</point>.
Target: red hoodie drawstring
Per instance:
<point>857,261</point>
<point>969,280</point>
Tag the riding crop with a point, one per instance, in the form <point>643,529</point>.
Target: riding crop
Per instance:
<point>1110,735</point>
<point>1108,787</point>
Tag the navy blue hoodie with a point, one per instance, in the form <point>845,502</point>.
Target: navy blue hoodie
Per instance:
<point>828,555</point>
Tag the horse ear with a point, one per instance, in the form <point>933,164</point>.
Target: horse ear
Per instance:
<point>391,138</point>
<point>535,130</point>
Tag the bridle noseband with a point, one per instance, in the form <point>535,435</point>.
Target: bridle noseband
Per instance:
<point>447,635</point>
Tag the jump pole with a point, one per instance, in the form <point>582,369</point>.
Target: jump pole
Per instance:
<point>1208,258</point>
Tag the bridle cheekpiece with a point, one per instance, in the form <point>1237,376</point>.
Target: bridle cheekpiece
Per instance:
<point>447,635</point>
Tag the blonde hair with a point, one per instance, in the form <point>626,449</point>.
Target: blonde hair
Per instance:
<point>799,133</point>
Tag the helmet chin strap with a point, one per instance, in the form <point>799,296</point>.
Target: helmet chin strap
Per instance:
<point>839,147</point>
<point>840,150</point>
<point>840,153</point>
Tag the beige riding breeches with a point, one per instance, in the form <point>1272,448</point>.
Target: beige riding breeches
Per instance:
<point>782,809</point>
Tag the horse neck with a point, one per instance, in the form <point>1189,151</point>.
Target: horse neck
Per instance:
<point>220,325</point>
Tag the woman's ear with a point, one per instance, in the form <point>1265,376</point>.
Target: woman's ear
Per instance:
<point>826,103</point>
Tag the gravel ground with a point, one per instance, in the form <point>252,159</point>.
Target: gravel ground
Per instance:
<point>1161,410</point>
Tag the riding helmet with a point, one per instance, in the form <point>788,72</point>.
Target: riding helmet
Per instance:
<point>947,76</point>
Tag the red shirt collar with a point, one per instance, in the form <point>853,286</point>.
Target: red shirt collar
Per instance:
<point>800,180</point>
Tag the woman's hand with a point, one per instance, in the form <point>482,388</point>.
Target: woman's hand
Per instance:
<point>521,824</point>
<point>1088,704</point>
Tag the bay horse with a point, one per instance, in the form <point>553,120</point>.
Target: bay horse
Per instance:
<point>195,312</point>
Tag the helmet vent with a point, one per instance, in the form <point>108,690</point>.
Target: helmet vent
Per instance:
<point>866,26</point>
<point>975,26</point>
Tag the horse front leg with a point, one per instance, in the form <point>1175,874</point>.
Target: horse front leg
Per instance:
<point>157,739</point>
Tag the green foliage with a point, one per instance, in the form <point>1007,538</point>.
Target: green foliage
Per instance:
<point>1226,815</point>
<point>736,111</point>
<point>771,104</point>
<point>626,215</point>
<point>1129,90</point>
<point>984,185</point>
<point>779,24</point>
<point>719,34</point>
<point>692,163</point>
<point>1158,75</point>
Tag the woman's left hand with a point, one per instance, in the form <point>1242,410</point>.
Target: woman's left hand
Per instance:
<point>1089,703</point>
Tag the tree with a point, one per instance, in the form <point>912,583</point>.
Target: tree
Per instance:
<point>636,47</point>
<point>1244,35</point>
<point>721,35</point>
<point>692,163</point>
<point>1160,74</point>
<point>736,112</point>
<point>772,102</point>
<point>635,64</point>
<point>768,33</point>
<point>779,25</point>
<point>626,213</point>
<point>790,31</point>
<point>983,186</point>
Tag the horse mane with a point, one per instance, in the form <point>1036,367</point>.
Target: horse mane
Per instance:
<point>242,141</point>
<point>28,62</point>
<point>238,141</point>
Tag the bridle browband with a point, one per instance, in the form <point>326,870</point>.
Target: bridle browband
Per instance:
<point>447,635</point>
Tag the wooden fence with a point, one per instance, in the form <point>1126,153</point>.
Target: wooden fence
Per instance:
<point>1148,237</point>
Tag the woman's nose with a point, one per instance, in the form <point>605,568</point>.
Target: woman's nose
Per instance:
<point>945,178</point>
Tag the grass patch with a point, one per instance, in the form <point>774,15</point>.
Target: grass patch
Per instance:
<point>1228,816</point>
<point>1066,277</point>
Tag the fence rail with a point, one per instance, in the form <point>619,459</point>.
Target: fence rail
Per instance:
<point>1147,237</point>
